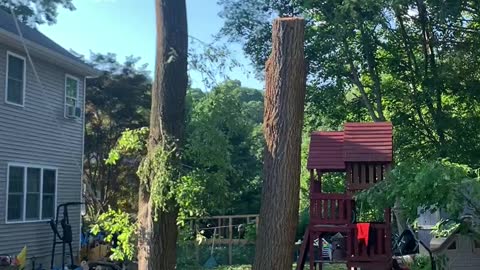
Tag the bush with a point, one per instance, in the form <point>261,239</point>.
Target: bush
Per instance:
<point>251,232</point>
<point>421,263</point>
<point>120,225</point>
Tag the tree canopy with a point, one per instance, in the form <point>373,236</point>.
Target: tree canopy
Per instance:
<point>411,62</point>
<point>117,100</point>
<point>429,186</point>
<point>35,12</point>
<point>223,146</point>
<point>222,155</point>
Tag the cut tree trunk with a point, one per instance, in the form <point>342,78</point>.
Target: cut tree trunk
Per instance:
<point>158,234</point>
<point>283,121</point>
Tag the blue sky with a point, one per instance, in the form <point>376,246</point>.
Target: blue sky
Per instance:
<point>127,27</point>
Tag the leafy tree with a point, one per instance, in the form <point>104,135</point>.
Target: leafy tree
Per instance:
<point>224,144</point>
<point>118,99</point>
<point>411,62</point>
<point>36,12</point>
<point>371,61</point>
<point>120,229</point>
<point>223,150</point>
<point>429,186</point>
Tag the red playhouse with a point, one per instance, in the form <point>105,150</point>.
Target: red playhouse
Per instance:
<point>363,151</point>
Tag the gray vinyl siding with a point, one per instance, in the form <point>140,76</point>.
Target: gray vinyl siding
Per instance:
<point>464,257</point>
<point>39,134</point>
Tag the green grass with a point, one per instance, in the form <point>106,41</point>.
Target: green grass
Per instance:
<point>248,267</point>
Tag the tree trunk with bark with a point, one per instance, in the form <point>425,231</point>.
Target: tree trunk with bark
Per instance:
<point>283,121</point>
<point>157,227</point>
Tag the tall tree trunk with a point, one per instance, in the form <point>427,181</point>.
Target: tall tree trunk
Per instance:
<point>355,79</point>
<point>413,73</point>
<point>432,80</point>
<point>283,121</point>
<point>158,233</point>
<point>369,49</point>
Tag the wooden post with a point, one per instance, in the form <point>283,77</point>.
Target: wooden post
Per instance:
<point>315,181</point>
<point>195,243</point>
<point>283,122</point>
<point>312,181</point>
<point>363,175</point>
<point>388,232</point>
<point>319,181</point>
<point>311,255</point>
<point>230,241</point>
<point>378,173</point>
<point>219,225</point>
<point>348,169</point>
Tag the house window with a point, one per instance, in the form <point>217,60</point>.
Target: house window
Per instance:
<point>15,80</point>
<point>453,245</point>
<point>72,104</point>
<point>31,193</point>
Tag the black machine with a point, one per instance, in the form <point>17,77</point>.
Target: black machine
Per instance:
<point>408,244</point>
<point>66,237</point>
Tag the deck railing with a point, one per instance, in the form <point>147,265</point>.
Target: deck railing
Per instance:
<point>330,209</point>
<point>361,176</point>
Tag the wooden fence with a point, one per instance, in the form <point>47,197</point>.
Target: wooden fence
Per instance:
<point>223,231</point>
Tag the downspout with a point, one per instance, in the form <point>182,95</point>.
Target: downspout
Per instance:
<point>82,206</point>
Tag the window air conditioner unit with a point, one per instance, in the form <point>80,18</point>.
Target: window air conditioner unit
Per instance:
<point>72,112</point>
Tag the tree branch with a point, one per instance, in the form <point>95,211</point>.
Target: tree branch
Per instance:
<point>414,72</point>
<point>369,54</point>
<point>431,68</point>
<point>355,79</point>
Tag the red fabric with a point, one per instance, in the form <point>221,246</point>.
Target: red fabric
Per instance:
<point>362,232</point>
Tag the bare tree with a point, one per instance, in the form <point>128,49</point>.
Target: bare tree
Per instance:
<point>283,121</point>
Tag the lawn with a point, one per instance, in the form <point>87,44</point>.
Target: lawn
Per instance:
<point>248,267</point>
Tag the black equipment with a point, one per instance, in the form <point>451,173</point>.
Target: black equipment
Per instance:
<point>66,238</point>
<point>408,244</point>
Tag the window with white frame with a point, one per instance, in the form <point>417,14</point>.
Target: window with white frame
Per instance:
<point>72,104</point>
<point>31,193</point>
<point>15,79</point>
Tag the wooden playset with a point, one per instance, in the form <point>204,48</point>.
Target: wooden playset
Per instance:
<point>363,151</point>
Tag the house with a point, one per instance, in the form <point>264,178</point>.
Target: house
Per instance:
<point>458,251</point>
<point>427,220</point>
<point>41,137</point>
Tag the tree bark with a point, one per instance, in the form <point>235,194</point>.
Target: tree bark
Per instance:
<point>158,234</point>
<point>283,121</point>
<point>355,79</point>
<point>432,79</point>
<point>369,49</point>
<point>413,74</point>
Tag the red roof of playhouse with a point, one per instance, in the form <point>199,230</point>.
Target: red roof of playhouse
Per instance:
<point>359,142</point>
<point>326,151</point>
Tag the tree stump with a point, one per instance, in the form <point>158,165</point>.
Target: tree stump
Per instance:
<point>283,121</point>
